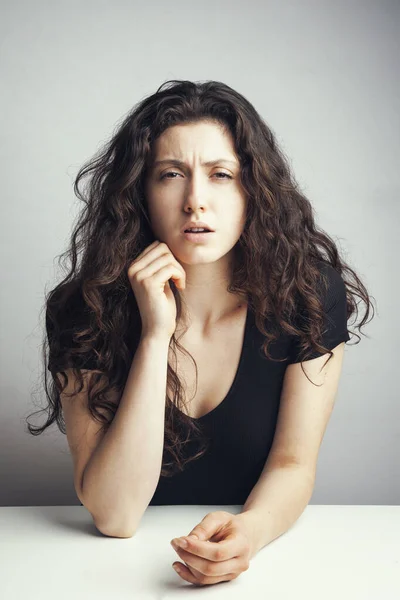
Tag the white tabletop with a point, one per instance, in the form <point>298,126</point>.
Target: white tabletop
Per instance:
<point>330,553</point>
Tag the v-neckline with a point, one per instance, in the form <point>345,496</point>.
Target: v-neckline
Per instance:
<point>237,374</point>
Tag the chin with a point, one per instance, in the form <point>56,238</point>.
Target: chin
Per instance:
<point>188,259</point>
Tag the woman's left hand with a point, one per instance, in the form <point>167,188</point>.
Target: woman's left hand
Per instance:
<point>221,552</point>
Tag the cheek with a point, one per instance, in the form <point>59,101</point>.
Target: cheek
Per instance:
<point>237,223</point>
<point>159,213</point>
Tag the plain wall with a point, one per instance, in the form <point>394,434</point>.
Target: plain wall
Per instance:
<point>325,77</point>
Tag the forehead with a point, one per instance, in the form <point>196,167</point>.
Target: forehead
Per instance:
<point>206,141</point>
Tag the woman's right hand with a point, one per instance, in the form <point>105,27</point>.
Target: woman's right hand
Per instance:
<point>148,275</point>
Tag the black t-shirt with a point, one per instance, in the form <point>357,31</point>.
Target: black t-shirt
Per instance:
<point>241,428</point>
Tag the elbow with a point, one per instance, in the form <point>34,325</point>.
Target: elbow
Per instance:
<point>105,526</point>
<point>112,530</point>
<point>118,533</point>
<point>110,523</point>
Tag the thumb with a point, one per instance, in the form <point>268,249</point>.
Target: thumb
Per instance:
<point>210,525</point>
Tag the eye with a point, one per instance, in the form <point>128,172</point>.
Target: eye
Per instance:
<point>221,173</point>
<point>175,173</point>
<point>169,173</point>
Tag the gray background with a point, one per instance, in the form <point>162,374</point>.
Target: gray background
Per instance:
<point>325,77</point>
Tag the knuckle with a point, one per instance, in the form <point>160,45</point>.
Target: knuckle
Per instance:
<point>222,513</point>
<point>219,554</point>
<point>146,283</point>
<point>209,569</point>
<point>132,270</point>
<point>201,528</point>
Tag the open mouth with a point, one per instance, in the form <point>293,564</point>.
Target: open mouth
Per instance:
<point>196,236</point>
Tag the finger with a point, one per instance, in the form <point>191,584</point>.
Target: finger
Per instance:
<point>187,575</point>
<point>212,524</point>
<point>178,264</point>
<point>230,547</point>
<point>209,567</point>
<point>139,262</point>
<point>168,252</point>
<point>194,572</point>
<point>149,248</point>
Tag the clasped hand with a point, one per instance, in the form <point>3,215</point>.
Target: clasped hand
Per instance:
<point>221,551</point>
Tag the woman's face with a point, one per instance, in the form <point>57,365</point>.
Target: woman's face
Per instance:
<point>192,191</point>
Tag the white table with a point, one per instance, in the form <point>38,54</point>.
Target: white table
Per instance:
<point>330,553</point>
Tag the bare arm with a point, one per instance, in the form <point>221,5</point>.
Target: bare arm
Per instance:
<point>123,471</point>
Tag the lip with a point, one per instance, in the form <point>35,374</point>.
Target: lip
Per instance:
<point>200,238</point>
<point>196,224</point>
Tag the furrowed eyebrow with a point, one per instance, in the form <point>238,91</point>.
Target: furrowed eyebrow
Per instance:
<point>180,163</point>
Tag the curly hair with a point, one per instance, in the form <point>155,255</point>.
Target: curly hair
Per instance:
<point>280,231</point>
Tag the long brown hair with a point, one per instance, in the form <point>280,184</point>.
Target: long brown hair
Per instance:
<point>113,228</point>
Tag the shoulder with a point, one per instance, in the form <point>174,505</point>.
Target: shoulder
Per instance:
<point>328,272</point>
<point>331,286</point>
<point>331,290</point>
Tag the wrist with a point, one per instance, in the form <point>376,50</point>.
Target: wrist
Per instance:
<point>155,339</point>
<point>252,526</point>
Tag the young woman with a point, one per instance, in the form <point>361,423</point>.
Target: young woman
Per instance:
<point>197,368</point>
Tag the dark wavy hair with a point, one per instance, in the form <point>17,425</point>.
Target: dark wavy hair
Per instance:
<point>280,232</point>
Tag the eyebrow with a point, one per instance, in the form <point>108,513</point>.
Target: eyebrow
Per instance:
<point>180,163</point>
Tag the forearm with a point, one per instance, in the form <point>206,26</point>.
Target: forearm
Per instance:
<point>275,503</point>
<point>122,474</point>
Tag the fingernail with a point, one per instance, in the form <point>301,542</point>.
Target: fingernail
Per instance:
<point>176,567</point>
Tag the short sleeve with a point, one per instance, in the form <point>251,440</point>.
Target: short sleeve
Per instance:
<point>75,314</point>
<point>335,316</point>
